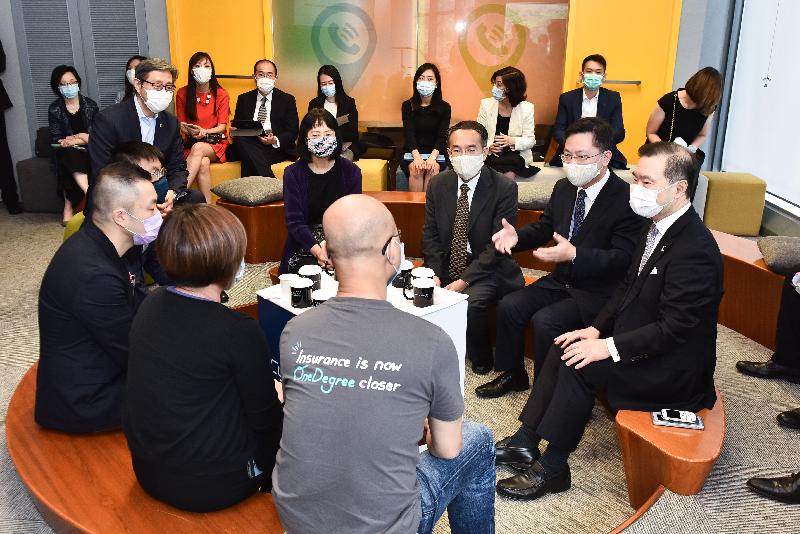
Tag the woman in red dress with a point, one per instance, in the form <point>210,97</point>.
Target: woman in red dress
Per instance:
<point>202,108</point>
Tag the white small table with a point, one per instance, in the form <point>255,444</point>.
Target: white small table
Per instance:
<point>449,312</point>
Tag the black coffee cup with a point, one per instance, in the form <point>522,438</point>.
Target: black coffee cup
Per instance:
<point>313,273</point>
<point>403,279</point>
<point>423,292</point>
<point>301,292</point>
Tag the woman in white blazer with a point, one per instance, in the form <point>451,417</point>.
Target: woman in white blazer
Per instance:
<point>508,118</point>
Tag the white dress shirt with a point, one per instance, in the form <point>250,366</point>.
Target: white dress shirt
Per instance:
<point>589,105</point>
<point>331,107</point>
<point>267,125</point>
<point>662,226</point>
<point>146,124</point>
<point>591,195</point>
<point>472,184</point>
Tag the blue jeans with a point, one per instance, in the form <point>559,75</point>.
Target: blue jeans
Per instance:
<point>464,485</point>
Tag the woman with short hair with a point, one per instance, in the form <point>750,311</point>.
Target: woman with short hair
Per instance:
<point>70,119</point>
<point>318,179</point>
<point>201,412</point>
<point>508,118</point>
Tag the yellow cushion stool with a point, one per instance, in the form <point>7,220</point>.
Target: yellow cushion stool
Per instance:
<point>734,202</point>
<point>374,173</point>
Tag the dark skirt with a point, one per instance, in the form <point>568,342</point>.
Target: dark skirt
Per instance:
<point>70,161</point>
<point>511,161</point>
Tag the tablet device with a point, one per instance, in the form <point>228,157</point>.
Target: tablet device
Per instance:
<point>246,128</point>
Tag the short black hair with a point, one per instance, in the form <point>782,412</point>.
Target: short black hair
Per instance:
<point>597,58</point>
<point>601,132</point>
<point>680,164</point>
<point>314,117</point>
<point>135,151</point>
<point>514,82</point>
<point>115,187</point>
<point>58,72</point>
<point>274,66</point>
<point>470,125</point>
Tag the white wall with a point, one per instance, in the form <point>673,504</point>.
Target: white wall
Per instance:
<point>19,140</point>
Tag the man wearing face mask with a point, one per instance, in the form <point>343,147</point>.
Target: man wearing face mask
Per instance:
<point>651,347</point>
<point>86,305</point>
<point>595,233</point>
<point>591,100</point>
<point>144,118</point>
<point>276,111</point>
<point>464,206</point>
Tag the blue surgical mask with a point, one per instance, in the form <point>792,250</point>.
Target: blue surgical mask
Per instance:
<point>328,90</point>
<point>69,91</point>
<point>592,81</point>
<point>498,93</point>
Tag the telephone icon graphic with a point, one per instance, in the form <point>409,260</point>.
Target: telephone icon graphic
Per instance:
<point>342,38</point>
<point>495,35</point>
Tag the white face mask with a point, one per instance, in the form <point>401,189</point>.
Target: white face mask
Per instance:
<point>644,202</point>
<point>467,167</point>
<point>130,74</point>
<point>397,269</point>
<point>580,175</point>
<point>265,85</point>
<point>201,74</point>
<point>158,101</point>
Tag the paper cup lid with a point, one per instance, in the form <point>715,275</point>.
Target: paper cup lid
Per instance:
<point>310,270</point>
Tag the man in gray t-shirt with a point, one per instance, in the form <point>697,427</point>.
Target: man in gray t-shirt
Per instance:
<point>360,378</point>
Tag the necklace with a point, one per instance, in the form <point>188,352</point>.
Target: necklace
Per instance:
<point>208,99</point>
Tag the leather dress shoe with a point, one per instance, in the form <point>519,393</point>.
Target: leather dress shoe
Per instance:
<point>506,382</point>
<point>14,209</point>
<point>518,458</point>
<point>790,419</point>
<point>482,367</point>
<point>784,489</point>
<point>534,483</point>
<point>769,369</point>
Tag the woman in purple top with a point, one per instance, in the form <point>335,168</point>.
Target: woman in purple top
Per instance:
<point>311,184</point>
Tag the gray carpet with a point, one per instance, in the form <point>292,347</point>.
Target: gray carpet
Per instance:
<point>754,445</point>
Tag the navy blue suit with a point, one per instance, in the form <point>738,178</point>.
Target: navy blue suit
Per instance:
<point>609,108</point>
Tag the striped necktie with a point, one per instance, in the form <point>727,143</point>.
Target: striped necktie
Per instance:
<point>650,244</point>
<point>458,244</point>
<point>262,111</point>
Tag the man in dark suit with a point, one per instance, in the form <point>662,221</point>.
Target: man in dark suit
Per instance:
<point>653,346</point>
<point>144,118</point>
<point>591,100</point>
<point>277,113</point>
<point>595,232</point>
<point>464,206</point>
<point>86,305</point>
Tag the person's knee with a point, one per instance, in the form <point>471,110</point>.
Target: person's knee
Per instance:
<point>205,164</point>
<point>544,321</point>
<point>508,309</point>
<point>197,149</point>
<point>477,439</point>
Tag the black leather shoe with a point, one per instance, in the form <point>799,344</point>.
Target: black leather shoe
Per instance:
<point>518,458</point>
<point>784,489</point>
<point>534,483</point>
<point>769,369</point>
<point>482,368</point>
<point>790,419</point>
<point>506,382</point>
<point>14,209</point>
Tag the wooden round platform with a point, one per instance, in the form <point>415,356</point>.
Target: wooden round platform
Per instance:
<point>85,483</point>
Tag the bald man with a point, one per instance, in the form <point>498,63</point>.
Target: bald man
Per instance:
<point>361,379</point>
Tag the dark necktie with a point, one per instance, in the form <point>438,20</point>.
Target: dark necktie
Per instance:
<point>649,245</point>
<point>458,244</point>
<point>578,213</point>
<point>262,111</point>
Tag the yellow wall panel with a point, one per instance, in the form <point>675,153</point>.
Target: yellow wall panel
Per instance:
<point>639,40</point>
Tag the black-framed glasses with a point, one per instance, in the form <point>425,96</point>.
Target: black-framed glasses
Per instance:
<point>388,241</point>
<point>158,86</point>
<point>567,158</point>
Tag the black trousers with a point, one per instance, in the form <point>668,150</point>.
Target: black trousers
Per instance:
<point>8,186</point>
<point>787,342</point>
<point>196,493</point>
<point>561,403</point>
<point>553,312</point>
<point>257,159</point>
<point>482,294</point>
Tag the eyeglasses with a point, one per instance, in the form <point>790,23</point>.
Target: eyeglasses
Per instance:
<point>567,158</point>
<point>388,241</point>
<point>158,86</point>
<point>470,151</point>
<point>158,173</point>
<point>260,75</point>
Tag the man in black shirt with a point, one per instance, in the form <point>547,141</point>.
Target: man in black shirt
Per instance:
<point>87,302</point>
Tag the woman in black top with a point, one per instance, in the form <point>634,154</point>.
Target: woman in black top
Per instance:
<point>201,412</point>
<point>686,114</point>
<point>331,97</point>
<point>70,119</point>
<point>426,118</point>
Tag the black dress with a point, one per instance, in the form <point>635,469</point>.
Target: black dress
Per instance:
<point>680,122</point>
<point>425,128</point>
<point>509,160</point>
<point>71,160</point>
